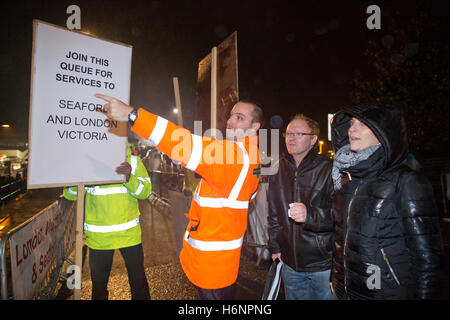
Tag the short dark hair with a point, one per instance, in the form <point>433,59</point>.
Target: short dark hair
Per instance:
<point>257,113</point>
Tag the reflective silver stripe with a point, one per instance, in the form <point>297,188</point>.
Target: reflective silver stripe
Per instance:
<point>242,175</point>
<point>139,189</point>
<point>97,191</point>
<point>133,160</point>
<point>213,245</point>
<point>71,191</point>
<point>158,131</point>
<point>144,179</point>
<point>141,185</point>
<point>219,202</point>
<point>113,228</point>
<point>197,190</point>
<point>253,196</point>
<point>231,201</point>
<point>196,154</point>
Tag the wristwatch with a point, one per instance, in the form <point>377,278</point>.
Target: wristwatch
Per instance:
<point>132,116</point>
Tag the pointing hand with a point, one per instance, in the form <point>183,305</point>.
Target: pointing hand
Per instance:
<point>115,109</point>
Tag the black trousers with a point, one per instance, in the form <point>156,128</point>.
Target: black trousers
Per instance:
<point>100,262</point>
<point>226,293</point>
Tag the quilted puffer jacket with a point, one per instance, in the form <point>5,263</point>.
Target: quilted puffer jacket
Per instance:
<point>388,243</point>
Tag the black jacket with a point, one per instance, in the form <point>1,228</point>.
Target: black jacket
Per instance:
<point>303,246</point>
<point>386,217</point>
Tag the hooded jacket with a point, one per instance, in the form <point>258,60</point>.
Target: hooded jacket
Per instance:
<point>305,247</point>
<point>387,240</point>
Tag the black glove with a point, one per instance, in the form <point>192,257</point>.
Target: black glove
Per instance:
<point>125,169</point>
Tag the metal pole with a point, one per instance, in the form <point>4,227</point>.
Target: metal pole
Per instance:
<point>176,89</point>
<point>79,237</point>
<point>214,91</point>
<point>4,277</point>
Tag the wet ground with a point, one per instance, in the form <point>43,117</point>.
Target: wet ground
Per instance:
<point>164,274</point>
<point>24,206</point>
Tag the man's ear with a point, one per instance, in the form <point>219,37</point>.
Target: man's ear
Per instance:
<point>313,140</point>
<point>256,126</point>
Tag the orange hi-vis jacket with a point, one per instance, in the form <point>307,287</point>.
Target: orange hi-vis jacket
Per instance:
<point>218,215</point>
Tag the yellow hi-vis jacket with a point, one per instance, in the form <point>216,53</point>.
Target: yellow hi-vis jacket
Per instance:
<point>112,211</point>
<point>218,215</point>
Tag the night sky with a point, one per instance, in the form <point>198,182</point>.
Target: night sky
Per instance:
<point>297,56</point>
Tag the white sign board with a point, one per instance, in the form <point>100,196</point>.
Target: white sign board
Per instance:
<point>33,249</point>
<point>71,140</point>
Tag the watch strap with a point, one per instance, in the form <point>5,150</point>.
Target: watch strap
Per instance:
<point>132,116</point>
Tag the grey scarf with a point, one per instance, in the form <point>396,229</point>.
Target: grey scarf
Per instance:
<point>345,158</point>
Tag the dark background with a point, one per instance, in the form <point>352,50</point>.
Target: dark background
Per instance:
<point>314,57</point>
<point>297,56</point>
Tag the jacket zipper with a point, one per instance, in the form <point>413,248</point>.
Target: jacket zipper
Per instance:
<point>346,237</point>
<point>294,229</point>
<point>389,266</point>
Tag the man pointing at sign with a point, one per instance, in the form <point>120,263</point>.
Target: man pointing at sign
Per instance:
<point>230,171</point>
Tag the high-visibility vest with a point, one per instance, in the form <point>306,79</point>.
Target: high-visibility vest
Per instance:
<point>112,211</point>
<point>218,214</point>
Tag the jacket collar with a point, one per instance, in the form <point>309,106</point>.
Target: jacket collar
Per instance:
<point>248,140</point>
<point>251,145</point>
<point>308,159</point>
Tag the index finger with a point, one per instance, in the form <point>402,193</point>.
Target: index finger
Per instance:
<point>104,97</point>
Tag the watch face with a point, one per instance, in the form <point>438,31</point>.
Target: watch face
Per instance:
<point>132,116</point>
